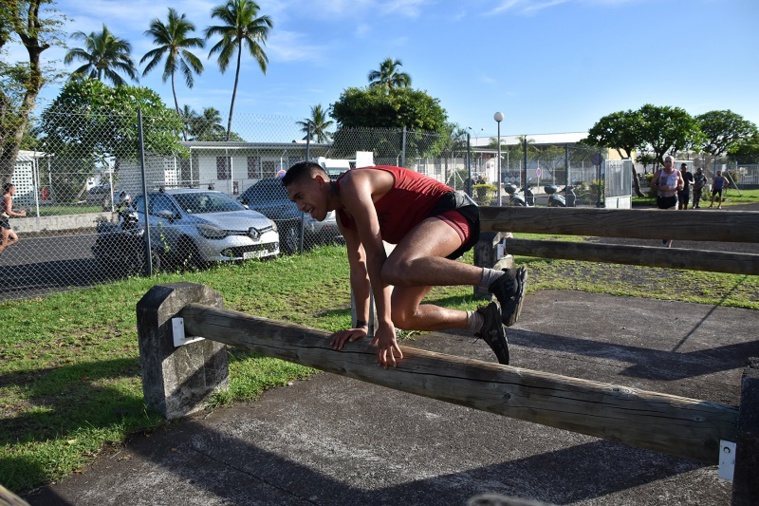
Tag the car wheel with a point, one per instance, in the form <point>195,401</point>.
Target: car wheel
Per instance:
<point>189,257</point>
<point>288,240</point>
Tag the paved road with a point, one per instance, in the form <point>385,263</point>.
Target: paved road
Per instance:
<point>40,265</point>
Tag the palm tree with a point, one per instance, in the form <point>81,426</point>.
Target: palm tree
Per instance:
<point>317,125</point>
<point>208,125</point>
<point>173,42</point>
<point>389,76</point>
<point>189,119</point>
<point>105,55</point>
<point>241,26</point>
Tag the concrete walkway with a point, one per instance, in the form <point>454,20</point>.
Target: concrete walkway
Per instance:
<point>336,441</point>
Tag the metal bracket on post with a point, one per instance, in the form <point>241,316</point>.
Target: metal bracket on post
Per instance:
<point>177,332</point>
<point>726,459</point>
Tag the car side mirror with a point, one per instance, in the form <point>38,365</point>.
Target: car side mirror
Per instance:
<point>166,215</point>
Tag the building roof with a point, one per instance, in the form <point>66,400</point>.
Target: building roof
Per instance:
<point>29,156</point>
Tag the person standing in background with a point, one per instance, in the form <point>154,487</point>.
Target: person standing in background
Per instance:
<point>699,181</point>
<point>666,183</point>
<point>718,185</point>
<point>683,196</point>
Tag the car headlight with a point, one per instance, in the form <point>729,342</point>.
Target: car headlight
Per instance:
<point>211,232</point>
<point>273,225</point>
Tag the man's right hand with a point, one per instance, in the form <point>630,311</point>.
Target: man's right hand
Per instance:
<point>387,346</point>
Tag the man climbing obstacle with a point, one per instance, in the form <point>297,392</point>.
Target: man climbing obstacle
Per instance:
<point>431,225</point>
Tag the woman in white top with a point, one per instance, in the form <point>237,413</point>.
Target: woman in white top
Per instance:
<point>666,183</point>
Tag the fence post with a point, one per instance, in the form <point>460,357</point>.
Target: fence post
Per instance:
<point>487,254</point>
<point>177,381</point>
<point>745,482</point>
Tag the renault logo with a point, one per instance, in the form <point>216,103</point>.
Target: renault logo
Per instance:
<point>254,233</point>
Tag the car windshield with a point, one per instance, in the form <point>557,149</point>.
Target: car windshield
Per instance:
<point>210,202</point>
<point>268,191</point>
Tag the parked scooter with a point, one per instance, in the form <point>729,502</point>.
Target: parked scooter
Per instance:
<point>556,199</point>
<point>120,247</point>
<point>517,199</point>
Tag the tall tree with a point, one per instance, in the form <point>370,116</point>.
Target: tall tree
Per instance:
<point>174,42</point>
<point>242,26</point>
<point>208,126</point>
<point>317,125</point>
<point>21,82</point>
<point>621,131</point>
<point>389,75</point>
<point>104,56</point>
<point>668,130</point>
<point>723,130</point>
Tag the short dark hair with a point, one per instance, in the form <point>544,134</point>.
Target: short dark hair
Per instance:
<point>300,170</point>
<point>7,187</point>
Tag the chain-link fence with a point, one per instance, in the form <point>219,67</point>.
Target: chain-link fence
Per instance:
<point>100,192</point>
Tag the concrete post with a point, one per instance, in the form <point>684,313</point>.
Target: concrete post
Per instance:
<point>486,255</point>
<point>745,482</point>
<point>177,381</point>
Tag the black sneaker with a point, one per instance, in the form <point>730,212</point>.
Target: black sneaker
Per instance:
<point>509,291</point>
<point>493,331</point>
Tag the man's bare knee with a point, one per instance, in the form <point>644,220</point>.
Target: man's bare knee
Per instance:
<point>401,318</point>
<point>393,272</point>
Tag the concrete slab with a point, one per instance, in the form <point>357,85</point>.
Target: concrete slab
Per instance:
<point>336,441</point>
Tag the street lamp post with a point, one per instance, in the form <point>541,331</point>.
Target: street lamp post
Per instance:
<point>498,117</point>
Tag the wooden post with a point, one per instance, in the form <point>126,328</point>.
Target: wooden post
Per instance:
<point>746,473</point>
<point>726,226</point>
<point>486,255</point>
<point>689,428</point>
<point>702,260</point>
<point>177,381</point>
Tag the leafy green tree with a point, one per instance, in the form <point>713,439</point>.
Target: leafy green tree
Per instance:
<point>622,131</point>
<point>90,121</point>
<point>173,42</point>
<point>317,125</point>
<point>241,27</point>
<point>21,82</point>
<point>389,75</point>
<point>375,108</point>
<point>102,121</point>
<point>746,150</point>
<point>723,130</point>
<point>668,130</point>
<point>619,130</point>
<point>104,56</point>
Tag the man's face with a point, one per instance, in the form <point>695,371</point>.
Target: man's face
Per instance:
<point>668,163</point>
<point>310,195</point>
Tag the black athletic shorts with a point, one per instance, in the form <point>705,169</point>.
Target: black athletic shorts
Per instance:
<point>666,202</point>
<point>459,201</point>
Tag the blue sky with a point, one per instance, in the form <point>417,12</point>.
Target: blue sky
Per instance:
<point>550,66</point>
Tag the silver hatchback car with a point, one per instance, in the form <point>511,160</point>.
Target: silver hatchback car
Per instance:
<point>201,226</point>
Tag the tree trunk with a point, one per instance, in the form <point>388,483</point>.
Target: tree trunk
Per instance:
<point>14,122</point>
<point>234,92</point>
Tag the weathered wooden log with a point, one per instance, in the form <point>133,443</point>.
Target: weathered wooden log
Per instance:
<point>727,226</point>
<point>686,427</point>
<point>699,260</point>
<point>8,498</point>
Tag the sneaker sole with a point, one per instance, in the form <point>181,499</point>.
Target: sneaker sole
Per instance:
<point>521,279</point>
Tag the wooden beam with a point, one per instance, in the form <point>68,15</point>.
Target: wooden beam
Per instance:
<point>699,260</point>
<point>686,427</point>
<point>717,225</point>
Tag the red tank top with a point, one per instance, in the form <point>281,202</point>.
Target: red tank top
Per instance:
<point>407,204</point>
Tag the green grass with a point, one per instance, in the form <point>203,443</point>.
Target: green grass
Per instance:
<point>732,197</point>
<point>69,363</point>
